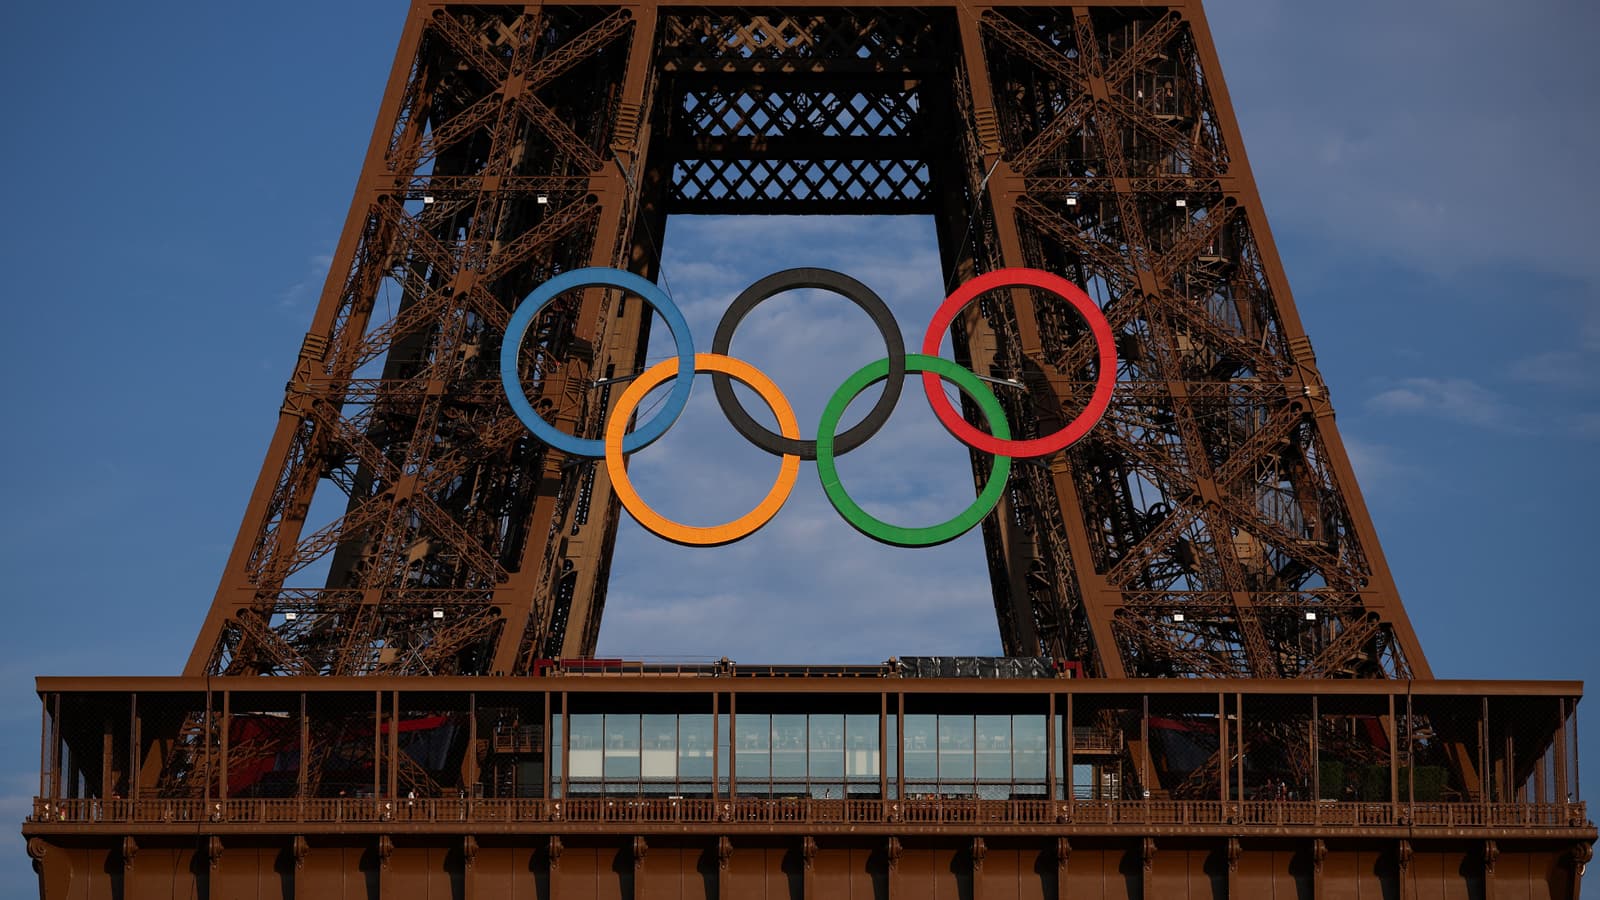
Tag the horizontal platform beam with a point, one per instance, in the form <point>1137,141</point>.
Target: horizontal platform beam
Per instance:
<point>752,678</point>
<point>802,865</point>
<point>802,4</point>
<point>842,207</point>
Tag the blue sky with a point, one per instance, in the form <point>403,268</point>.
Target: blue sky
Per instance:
<point>180,174</point>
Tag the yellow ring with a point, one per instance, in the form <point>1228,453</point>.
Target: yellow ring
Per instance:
<point>711,535</point>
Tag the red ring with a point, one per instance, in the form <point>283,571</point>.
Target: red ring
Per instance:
<point>1105,378</point>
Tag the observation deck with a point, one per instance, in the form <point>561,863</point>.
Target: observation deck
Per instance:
<point>759,776</point>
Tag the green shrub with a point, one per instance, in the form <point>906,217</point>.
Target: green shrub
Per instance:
<point>1375,783</point>
<point>1330,779</point>
<point>1430,782</point>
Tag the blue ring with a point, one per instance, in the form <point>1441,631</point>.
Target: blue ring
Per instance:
<point>594,448</point>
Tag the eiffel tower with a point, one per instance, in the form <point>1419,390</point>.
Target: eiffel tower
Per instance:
<point>1204,542</point>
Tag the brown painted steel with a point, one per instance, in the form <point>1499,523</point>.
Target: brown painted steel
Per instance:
<point>1204,553</point>
<point>102,832</point>
<point>800,866</point>
<point>1210,526</point>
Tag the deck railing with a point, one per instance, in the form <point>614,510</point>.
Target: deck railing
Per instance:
<point>746,811</point>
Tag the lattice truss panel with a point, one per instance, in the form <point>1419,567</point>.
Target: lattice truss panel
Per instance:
<point>405,514</point>
<point>793,113</point>
<point>406,523</point>
<point>1216,537</point>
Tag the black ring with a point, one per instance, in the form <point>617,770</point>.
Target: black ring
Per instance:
<point>856,293</point>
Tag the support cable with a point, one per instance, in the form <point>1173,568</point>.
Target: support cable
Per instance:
<point>972,215</point>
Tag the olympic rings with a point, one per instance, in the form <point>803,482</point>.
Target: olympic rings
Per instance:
<point>517,328</point>
<point>877,529</point>
<point>856,293</point>
<point>618,442</point>
<point>1105,376</point>
<point>713,535</point>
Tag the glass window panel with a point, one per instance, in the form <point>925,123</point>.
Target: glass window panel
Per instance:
<point>922,748</point>
<point>658,745</point>
<point>555,755</point>
<point>754,754</point>
<point>1028,748</point>
<point>1110,783</point>
<point>891,756</point>
<point>955,749</point>
<point>694,746</point>
<point>994,748</point>
<point>1065,778</point>
<point>622,748</point>
<point>724,751</point>
<point>1082,781</point>
<point>827,790</point>
<point>658,732</point>
<point>586,736</point>
<point>788,732</point>
<point>861,747</point>
<point>789,747</point>
<point>827,748</point>
<point>724,730</point>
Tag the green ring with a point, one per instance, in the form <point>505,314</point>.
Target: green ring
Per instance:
<point>900,536</point>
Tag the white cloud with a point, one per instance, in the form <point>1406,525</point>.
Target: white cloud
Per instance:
<point>1378,466</point>
<point>1441,134</point>
<point>807,587</point>
<point>317,265</point>
<point>1455,399</point>
<point>1585,425</point>
<point>1559,368</point>
<point>1589,331</point>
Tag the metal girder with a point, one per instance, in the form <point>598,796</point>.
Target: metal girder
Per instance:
<point>1092,140</point>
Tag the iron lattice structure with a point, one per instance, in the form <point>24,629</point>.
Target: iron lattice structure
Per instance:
<point>1210,526</point>
<point>406,527</point>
